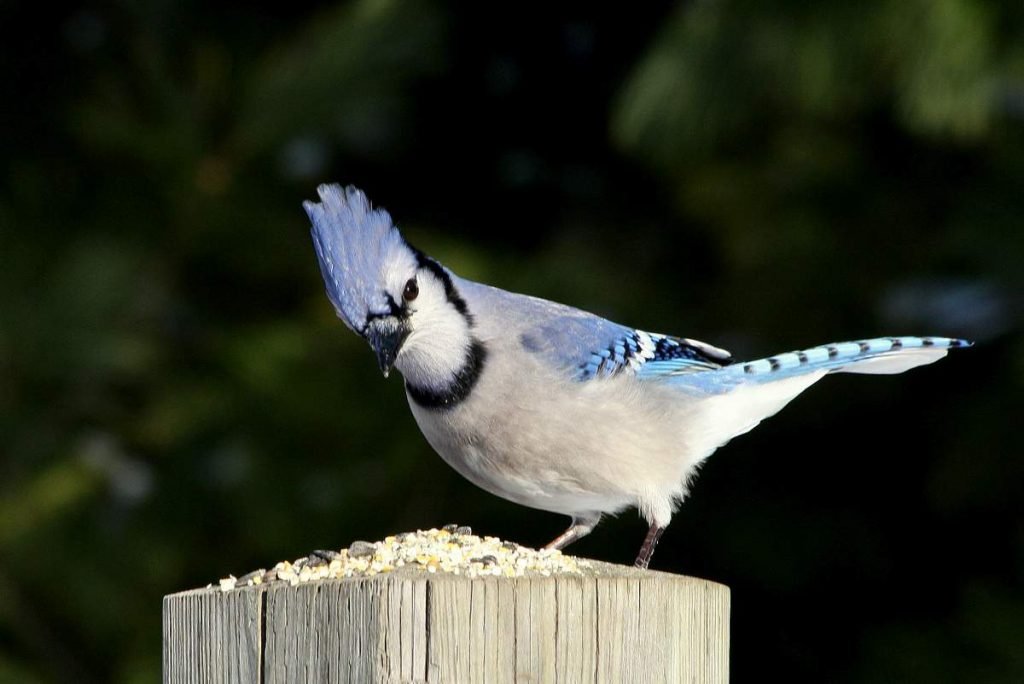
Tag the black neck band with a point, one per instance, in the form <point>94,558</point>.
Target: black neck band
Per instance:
<point>460,387</point>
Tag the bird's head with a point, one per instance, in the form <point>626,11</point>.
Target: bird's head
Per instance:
<point>399,300</point>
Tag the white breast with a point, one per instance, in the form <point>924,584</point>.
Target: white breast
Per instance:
<point>531,435</point>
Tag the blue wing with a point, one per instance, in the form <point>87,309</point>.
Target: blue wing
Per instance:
<point>649,355</point>
<point>583,345</point>
<point>588,347</point>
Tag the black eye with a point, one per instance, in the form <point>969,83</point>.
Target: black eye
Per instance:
<point>412,290</point>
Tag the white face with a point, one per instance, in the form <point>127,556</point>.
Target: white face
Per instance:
<point>439,340</point>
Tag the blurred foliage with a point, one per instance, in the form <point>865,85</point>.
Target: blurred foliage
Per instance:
<point>177,400</point>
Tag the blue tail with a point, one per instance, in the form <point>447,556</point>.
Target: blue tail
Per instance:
<point>741,395</point>
<point>882,355</point>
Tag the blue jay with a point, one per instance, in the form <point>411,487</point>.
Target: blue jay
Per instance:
<point>547,405</point>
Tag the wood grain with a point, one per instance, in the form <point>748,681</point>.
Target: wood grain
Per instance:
<point>608,624</point>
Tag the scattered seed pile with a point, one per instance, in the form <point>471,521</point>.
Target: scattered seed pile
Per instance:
<point>453,549</point>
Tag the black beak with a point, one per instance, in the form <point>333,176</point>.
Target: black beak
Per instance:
<point>386,336</point>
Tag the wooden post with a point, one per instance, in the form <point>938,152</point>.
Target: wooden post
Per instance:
<point>607,623</point>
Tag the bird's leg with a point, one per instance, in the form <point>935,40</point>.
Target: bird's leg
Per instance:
<point>643,559</point>
<point>580,528</point>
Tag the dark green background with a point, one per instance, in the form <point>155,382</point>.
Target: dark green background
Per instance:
<point>179,402</point>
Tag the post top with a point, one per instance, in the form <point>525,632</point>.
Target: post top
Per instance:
<point>453,553</point>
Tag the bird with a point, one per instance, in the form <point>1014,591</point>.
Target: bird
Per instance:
<point>550,406</point>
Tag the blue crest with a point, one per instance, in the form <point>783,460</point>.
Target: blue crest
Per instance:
<point>357,247</point>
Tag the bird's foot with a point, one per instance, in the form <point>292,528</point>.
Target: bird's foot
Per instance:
<point>643,559</point>
<point>580,528</point>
